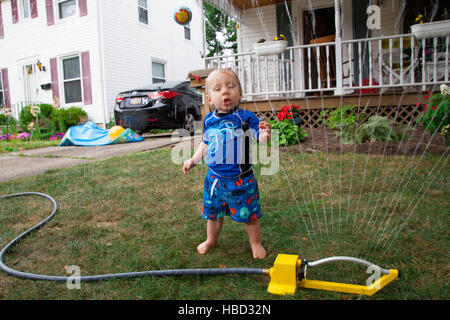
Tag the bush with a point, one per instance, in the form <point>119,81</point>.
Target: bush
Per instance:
<point>436,118</point>
<point>50,120</point>
<point>377,128</point>
<point>7,120</point>
<point>340,117</point>
<point>46,110</point>
<point>349,131</point>
<point>289,132</point>
<point>25,117</point>
<point>63,119</point>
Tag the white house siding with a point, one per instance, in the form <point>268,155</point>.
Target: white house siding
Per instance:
<point>129,46</point>
<point>256,24</point>
<point>31,40</point>
<point>120,55</point>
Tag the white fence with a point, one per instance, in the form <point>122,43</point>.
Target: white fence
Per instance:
<point>368,66</point>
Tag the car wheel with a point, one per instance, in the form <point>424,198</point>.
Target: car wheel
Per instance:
<point>189,123</point>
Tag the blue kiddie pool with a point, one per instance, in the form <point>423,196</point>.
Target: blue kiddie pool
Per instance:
<point>89,134</point>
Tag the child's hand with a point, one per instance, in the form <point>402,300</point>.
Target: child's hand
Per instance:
<point>265,131</point>
<point>188,165</point>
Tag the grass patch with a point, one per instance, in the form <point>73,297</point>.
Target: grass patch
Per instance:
<point>18,145</point>
<point>139,212</point>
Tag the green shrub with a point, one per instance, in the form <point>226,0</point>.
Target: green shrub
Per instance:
<point>51,120</point>
<point>436,113</point>
<point>342,116</point>
<point>289,133</point>
<point>25,117</point>
<point>46,110</point>
<point>350,131</point>
<point>46,128</point>
<point>63,119</point>
<point>377,128</point>
<point>7,120</point>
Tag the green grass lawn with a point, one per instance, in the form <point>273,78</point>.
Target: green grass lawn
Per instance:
<point>139,212</point>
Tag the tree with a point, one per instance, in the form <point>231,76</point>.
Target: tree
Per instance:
<point>220,29</point>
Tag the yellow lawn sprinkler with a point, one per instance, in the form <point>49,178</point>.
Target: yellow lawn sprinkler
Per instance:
<point>287,274</point>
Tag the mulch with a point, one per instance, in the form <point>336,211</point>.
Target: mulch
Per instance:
<point>325,140</point>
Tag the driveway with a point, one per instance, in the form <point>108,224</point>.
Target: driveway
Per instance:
<point>37,161</point>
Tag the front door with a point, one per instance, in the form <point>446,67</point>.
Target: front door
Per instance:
<point>284,27</point>
<point>360,31</point>
<point>30,82</point>
<point>317,23</point>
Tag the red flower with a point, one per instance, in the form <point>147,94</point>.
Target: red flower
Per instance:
<point>434,108</point>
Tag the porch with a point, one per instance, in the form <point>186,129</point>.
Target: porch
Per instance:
<point>335,70</point>
<point>371,65</point>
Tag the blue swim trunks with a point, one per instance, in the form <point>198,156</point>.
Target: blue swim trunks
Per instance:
<point>236,198</point>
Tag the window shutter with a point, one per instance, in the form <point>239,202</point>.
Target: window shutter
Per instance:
<point>6,93</point>
<point>2,32</point>
<point>15,12</point>
<point>82,4</point>
<point>34,9</point>
<point>54,77</point>
<point>49,9</point>
<point>87,83</point>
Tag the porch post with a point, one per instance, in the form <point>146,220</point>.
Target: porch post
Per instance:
<point>337,22</point>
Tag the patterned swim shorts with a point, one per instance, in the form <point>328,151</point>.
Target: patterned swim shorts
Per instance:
<point>236,198</point>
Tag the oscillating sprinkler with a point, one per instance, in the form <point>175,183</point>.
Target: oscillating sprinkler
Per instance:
<point>289,273</point>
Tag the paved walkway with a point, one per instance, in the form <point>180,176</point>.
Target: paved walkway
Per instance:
<point>36,161</point>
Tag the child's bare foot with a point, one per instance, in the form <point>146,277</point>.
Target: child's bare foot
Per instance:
<point>258,251</point>
<point>205,246</point>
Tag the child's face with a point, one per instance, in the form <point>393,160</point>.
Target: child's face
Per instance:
<point>224,92</point>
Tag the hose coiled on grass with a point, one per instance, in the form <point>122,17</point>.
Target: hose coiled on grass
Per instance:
<point>151,273</point>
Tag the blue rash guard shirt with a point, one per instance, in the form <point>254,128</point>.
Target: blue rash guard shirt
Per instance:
<point>228,138</point>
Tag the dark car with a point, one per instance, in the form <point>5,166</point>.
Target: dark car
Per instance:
<point>167,105</point>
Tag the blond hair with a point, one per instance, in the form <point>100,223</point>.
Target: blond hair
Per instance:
<point>215,72</point>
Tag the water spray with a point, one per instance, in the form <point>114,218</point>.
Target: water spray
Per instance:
<point>287,275</point>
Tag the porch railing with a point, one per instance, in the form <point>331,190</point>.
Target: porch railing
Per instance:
<point>369,65</point>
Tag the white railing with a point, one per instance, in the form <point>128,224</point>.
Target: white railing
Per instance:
<point>380,64</point>
<point>15,108</point>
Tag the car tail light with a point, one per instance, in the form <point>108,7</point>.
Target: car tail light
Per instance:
<point>164,95</point>
<point>119,99</point>
<point>152,120</point>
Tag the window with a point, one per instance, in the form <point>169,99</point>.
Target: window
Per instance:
<point>143,11</point>
<point>158,72</point>
<point>26,11</point>
<point>187,31</point>
<point>67,8</point>
<point>72,79</point>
